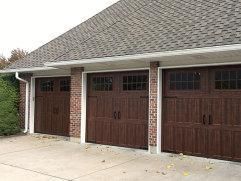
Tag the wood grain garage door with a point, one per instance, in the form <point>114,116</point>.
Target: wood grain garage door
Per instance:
<point>117,109</point>
<point>202,112</point>
<point>52,106</point>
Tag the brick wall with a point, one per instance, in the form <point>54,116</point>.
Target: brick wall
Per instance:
<point>153,104</point>
<point>75,102</point>
<point>22,90</point>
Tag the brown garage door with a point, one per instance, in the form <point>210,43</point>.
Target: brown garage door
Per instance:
<point>52,106</point>
<point>117,111</point>
<point>202,112</point>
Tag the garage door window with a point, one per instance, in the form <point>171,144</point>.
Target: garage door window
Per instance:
<point>65,85</point>
<point>228,80</point>
<point>135,83</point>
<point>184,81</point>
<point>47,86</point>
<point>102,83</point>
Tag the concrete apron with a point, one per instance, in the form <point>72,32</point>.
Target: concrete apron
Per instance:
<point>39,157</point>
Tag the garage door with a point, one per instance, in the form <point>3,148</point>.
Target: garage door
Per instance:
<point>52,106</point>
<point>202,112</point>
<point>117,109</point>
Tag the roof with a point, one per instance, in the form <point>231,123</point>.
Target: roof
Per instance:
<point>132,27</point>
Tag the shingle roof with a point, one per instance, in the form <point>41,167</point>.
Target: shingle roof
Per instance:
<point>145,26</point>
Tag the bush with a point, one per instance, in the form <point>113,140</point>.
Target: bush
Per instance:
<point>9,118</point>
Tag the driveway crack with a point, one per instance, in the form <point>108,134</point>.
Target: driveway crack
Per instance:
<point>107,168</point>
<point>26,150</point>
<point>26,169</point>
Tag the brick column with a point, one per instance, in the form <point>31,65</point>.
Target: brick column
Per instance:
<point>75,102</point>
<point>22,94</point>
<point>153,107</point>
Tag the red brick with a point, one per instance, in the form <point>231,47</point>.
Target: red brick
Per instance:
<point>153,104</point>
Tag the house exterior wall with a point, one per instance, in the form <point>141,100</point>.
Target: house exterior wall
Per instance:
<point>22,92</point>
<point>75,102</point>
<point>153,106</point>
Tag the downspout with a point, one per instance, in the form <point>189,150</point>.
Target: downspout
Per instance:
<point>26,101</point>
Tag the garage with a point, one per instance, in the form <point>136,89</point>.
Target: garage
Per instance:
<point>117,109</point>
<point>52,106</point>
<point>202,112</point>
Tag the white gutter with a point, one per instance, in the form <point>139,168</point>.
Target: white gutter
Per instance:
<point>147,56</point>
<point>33,69</point>
<point>26,100</point>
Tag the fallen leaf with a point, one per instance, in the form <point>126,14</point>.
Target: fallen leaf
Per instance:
<point>185,173</point>
<point>170,166</point>
<point>163,173</point>
<point>103,161</point>
<point>208,167</point>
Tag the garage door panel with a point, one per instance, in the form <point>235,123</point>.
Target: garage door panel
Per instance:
<point>122,104</point>
<point>103,132</point>
<point>237,145</point>
<point>141,135</point>
<point>115,134</point>
<point>48,114</point>
<point>133,108</point>
<point>178,139</point>
<point>168,144</point>
<point>212,110</point>
<point>188,140</point>
<point>52,106</point>
<point>214,142</point>
<point>91,114</point>
<point>131,135</point>
<point>143,108</point>
<point>215,111</point>
<point>57,122</point>
<point>188,110</point>
<point>66,115</point>
<point>169,111</point>
<point>227,147</point>
<point>39,114</point>
<point>199,135</point>
<point>104,107</point>
<point>122,134</point>
<point>232,108</point>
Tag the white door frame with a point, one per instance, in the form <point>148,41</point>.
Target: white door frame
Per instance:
<point>84,98</point>
<point>32,100</point>
<point>160,93</point>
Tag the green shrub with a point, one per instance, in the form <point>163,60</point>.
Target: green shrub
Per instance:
<point>9,119</point>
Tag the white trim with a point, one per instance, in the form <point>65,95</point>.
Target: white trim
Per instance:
<point>46,76</point>
<point>32,106</point>
<point>83,108</point>
<point>159,111</point>
<point>117,70</point>
<point>149,116</point>
<point>33,69</point>
<point>160,93</point>
<point>147,56</point>
<point>32,100</point>
<point>200,65</point>
<point>84,102</point>
<point>26,101</point>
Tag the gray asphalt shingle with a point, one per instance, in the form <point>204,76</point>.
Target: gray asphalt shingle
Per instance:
<point>144,26</point>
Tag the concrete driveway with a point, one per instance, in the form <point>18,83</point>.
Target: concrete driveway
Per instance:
<point>47,158</point>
